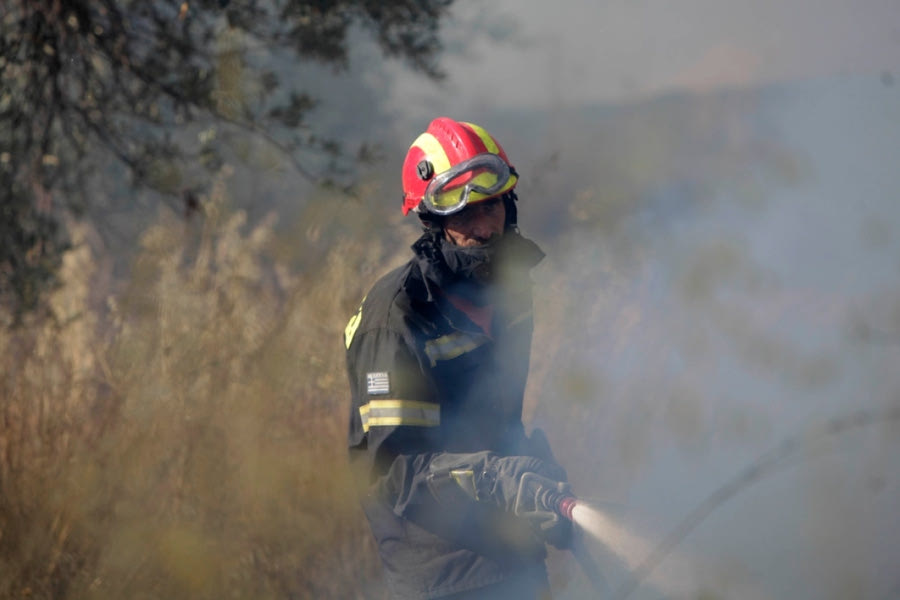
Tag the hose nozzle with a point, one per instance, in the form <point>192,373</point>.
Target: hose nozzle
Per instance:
<point>540,497</point>
<point>566,505</point>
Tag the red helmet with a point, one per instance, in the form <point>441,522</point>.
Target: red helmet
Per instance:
<point>452,164</point>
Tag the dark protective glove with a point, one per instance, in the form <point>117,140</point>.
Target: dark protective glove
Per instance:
<point>486,477</point>
<point>538,502</point>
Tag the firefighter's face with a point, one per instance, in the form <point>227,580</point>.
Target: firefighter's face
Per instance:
<point>476,224</point>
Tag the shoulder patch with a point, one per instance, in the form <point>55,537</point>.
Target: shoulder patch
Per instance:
<point>378,383</point>
<point>353,325</point>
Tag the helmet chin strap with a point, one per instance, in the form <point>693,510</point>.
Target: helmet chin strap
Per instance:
<point>509,203</point>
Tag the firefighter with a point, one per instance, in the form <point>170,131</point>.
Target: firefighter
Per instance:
<point>437,358</point>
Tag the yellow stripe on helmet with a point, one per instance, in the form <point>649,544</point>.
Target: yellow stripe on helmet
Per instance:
<point>434,152</point>
<point>486,138</point>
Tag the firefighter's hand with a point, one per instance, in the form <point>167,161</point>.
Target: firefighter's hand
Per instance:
<point>556,531</point>
<point>538,501</point>
<point>522,485</point>
<point>503,477</point>
<point>485,477</point>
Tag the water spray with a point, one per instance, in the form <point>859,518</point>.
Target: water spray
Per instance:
<point>545,502</point>
<point>541,499</point>
<point>541,496</point>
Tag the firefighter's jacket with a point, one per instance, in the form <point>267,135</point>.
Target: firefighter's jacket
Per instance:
<point>425,381</point>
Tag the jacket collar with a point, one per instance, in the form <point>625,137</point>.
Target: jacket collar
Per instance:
<point>428,272</point>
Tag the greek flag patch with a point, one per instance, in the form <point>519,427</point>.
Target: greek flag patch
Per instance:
<point>378,383</point>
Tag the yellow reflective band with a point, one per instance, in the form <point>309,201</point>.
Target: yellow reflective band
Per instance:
<point>352,326</point>
<point>465,478</point>
<point>450,346</point>
<point>393,413</point>
<point>364,416</point>
<point>486,138</point>
<point>434,152</point>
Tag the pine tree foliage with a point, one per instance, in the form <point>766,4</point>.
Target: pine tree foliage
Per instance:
<point>91,83</point>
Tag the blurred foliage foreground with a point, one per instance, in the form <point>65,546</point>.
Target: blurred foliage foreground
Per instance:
<point>181,439</point>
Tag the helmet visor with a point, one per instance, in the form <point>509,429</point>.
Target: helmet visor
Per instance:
<point>484,174</point>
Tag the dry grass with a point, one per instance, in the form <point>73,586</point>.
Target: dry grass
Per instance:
<point>185,438</point>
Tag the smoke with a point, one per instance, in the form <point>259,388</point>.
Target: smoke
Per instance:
<point>673,573</point>
<point>647,563</point>
<point>632,549</point>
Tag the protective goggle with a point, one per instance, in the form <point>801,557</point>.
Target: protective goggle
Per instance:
<point>450,191</point>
